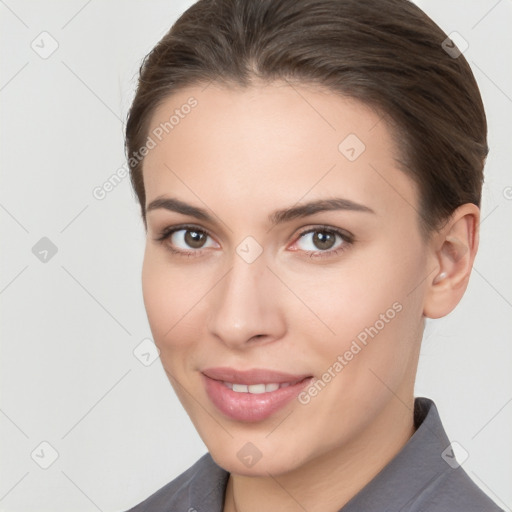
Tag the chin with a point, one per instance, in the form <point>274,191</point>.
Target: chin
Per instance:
<point>243,457</point>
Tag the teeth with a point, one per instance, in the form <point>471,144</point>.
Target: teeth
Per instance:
<point>255,389</point>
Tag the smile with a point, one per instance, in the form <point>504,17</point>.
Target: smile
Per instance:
<point>252,395</point>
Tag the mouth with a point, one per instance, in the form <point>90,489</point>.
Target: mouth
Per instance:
<point>258,389</point>
<point>252,395</point>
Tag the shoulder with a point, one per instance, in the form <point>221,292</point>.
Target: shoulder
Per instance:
<point>455,490</point>
<point>446,484</point>
<point>450,486</point>
<point>425,476</point>
<point>200,487</point>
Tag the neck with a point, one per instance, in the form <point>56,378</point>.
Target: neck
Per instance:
<point>329,481</point>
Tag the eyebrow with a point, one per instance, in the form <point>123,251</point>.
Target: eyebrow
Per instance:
<point>276,217</point>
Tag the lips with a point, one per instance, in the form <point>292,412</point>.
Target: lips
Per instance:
<point>251,395</point>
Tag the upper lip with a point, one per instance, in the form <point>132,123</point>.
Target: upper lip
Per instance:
<point>254,376</point>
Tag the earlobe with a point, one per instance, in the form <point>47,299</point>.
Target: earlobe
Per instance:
<point>453,252</point>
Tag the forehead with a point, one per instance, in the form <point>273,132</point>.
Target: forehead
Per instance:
<point>275,142</point>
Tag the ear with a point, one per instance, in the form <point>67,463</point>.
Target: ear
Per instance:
<point>453,250</point>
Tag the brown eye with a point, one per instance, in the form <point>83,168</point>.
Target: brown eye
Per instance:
<point>186,240</point>
<point>194,239</point>
<point>320,240</point>
<point>324,240</point>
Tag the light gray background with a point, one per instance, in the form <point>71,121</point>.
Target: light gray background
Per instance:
<point>70,325</point>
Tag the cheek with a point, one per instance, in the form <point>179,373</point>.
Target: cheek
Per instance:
<point>165,298</point>
<point>373,302</point>
<point>174,299</point>
<point>351,297</point>
<point>156,296</point>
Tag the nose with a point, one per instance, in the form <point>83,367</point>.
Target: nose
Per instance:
<point>244,306</point>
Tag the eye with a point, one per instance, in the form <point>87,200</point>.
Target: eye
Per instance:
<point>323,241</point>
<point>185,240</point>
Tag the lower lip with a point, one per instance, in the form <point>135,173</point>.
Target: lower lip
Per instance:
<point>248,406</point>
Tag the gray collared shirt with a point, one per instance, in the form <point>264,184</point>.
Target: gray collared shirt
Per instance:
<point>423,477</point>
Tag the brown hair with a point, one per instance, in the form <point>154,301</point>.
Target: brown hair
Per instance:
<point>386,53</point>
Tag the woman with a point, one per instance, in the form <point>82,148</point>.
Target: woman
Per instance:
<point>309,174</point>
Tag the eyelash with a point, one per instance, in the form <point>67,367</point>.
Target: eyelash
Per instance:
<point>347,238</point>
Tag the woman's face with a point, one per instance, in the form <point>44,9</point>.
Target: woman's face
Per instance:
<point>331,296</point>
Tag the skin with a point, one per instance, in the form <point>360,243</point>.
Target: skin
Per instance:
<point>241,154</point>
